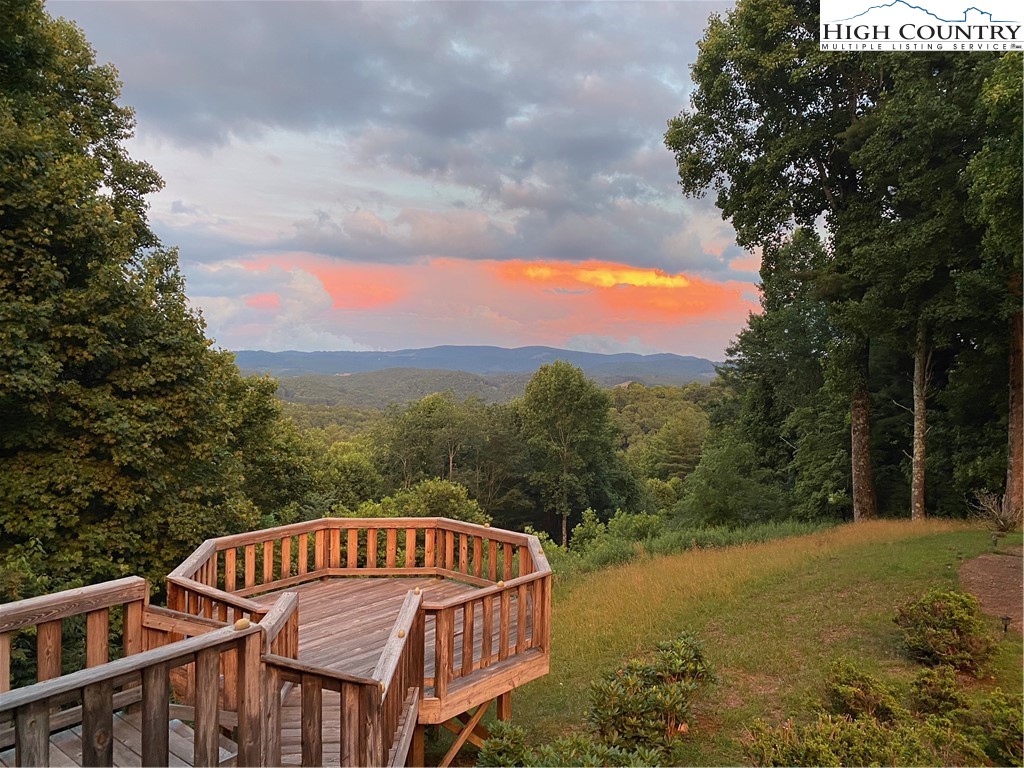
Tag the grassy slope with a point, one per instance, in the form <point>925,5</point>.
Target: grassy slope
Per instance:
<point>773,616</point>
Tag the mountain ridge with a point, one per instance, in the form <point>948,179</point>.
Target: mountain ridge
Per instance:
<point>481,360</point>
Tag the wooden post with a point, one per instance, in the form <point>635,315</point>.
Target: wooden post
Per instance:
<point>271,715</point>
<point>155,715</point>
<point>249,737</point>
<point>505,706</point>
<point>311,728</point>
<point>98,724</point>
<point>371,746</point>
<point>207,724</point>
<point>416,755</point>
<point>32,733</point>
<point>350,726</point>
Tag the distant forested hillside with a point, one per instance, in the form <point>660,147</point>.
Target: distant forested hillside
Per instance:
<point>609,370</point>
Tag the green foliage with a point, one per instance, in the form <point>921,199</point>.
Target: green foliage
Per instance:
<point>935,692</point>
<point>127,440</point>
<point>729,486</point>
<point>429,498</point>
<point>649,704</point>
<point>999,718</point>
<point>835,741</point>
<point>852,692</point>
<point>638,713</point>
<point>946,628</point>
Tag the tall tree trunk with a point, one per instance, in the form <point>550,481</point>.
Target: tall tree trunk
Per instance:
<point>865,505</point>
<point>1014,498</point>
<point>921,375</point>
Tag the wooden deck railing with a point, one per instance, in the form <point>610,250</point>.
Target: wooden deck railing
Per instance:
<point>47,614</point>
<point>97,693</point>
<point>504,623</point>
<point>376,715</point>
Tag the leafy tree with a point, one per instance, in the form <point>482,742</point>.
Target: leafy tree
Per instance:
<point>566,424</point>
<point>996,190</point>
<point>770,132</point>
<point>429,498</point>
<point>126,440</point>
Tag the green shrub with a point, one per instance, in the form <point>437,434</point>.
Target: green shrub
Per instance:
<point>946,628</point>
<point>506,746</point>
<point>999,718</point>
<point>935,692</point>
<point>835,741</point>
<point>852,692</point>
<point>649,705</point>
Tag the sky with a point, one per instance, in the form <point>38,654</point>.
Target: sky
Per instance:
<point>394,175</point>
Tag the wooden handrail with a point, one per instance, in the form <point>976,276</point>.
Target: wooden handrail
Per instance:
<point>398,639</point>
<point>283,613</point>
<point>241,603</point>
<point>170,655</point>
<point>300,668</point>
<point>497,589</point>
<point>191,564</point>
<point>71,602</point>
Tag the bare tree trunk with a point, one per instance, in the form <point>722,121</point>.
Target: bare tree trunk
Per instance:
<point>921,375</point>
<point>1015,455</point>
<point>565,530</point>
<point>865,506</point>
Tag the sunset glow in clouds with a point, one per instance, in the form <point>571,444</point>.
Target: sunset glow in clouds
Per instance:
<point>400,175</point>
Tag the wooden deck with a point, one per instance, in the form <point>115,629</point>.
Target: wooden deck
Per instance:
<point>327,642</point>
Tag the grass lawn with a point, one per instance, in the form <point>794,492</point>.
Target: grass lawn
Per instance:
<point>772,616</point>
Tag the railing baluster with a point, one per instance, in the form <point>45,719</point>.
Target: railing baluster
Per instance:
<point>155,715</point>
<point>32,733</point>
<point>478,556</point>
<point>311,728</point>
<point>505,625</point>
<point>444,630</point>
<point>492,560</point>
<point>320,554</point>
<point>303,553</point>
<point>487,631</point>
<point>463,553</point>
<point>133,627</point>
<point>230,573</point>
<point>286,557</point>
<point>430,536</point>
<point>97,637</point>
<point>449,550</point>
<point>250,565</point>
<point>521,618</point>
<point>468,616</point>
<point>351,722</point>
<point>410,547</point>
<point>371,547</point>
<point>206,726</point>
<point>98,723</point>
<point>5,661</point>
<point>48,647</point>
<point>507,564</point>
<point>392,548</point>
<point>335,550</point>
<point>352,548</point>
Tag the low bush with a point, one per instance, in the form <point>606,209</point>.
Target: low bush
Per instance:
<point>850,691</point>
<point>833,740</point>
<point>946,628</point>
<point>638,715</point>
<point>1001,722</point>
<point>648,704</point>
<point>935,692</point>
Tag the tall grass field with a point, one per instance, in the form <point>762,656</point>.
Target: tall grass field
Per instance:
<point>773,616</point>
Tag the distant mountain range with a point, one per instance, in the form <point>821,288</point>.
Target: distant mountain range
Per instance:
<point>648,369</point>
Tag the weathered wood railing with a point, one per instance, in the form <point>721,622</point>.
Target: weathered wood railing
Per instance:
<point>508,619</point>
<point>48,613</point>
<point>376,715</point>
<point>215,580</point>
<point>99,692</point>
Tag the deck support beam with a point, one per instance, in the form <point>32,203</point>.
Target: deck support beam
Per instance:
<point>468,729</point>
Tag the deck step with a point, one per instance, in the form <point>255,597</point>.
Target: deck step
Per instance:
<point>66,745</point>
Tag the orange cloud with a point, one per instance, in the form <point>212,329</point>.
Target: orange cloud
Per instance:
<point>350,285</point>
<point>268,301</point>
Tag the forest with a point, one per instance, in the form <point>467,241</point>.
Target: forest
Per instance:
<point>881,378</point>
